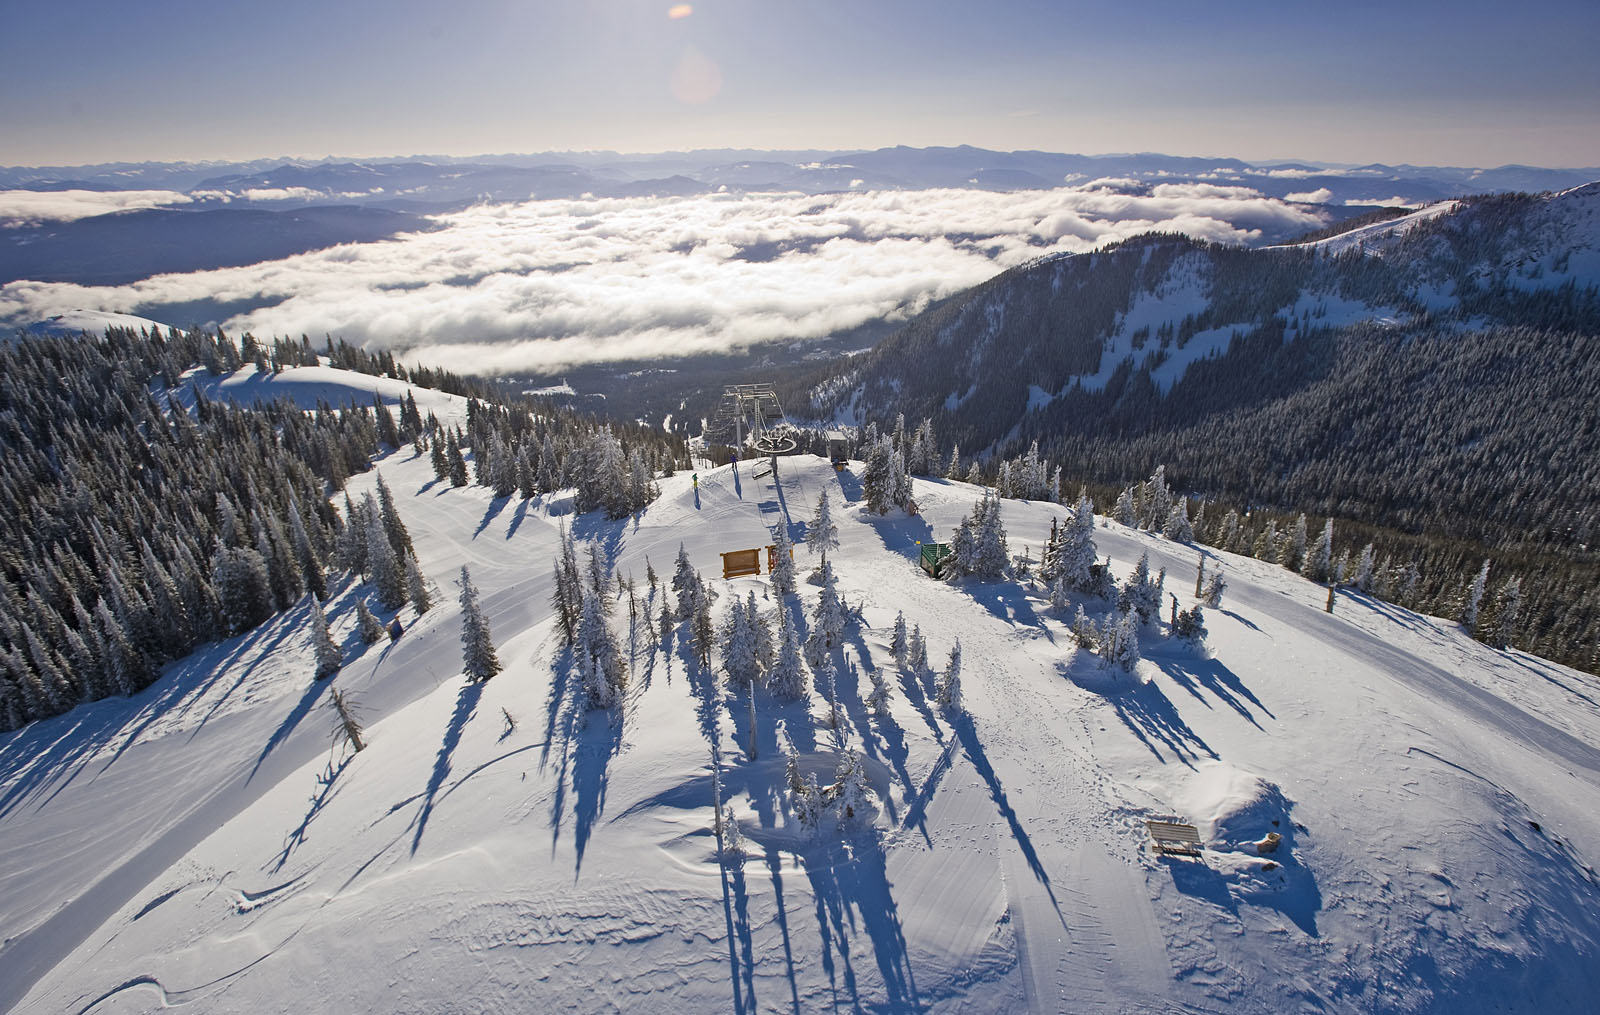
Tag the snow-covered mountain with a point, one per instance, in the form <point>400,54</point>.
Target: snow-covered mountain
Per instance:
<point>1267,376</point>
<point>497,846</point>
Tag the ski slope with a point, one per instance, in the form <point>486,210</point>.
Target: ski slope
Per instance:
<point>204,844</point>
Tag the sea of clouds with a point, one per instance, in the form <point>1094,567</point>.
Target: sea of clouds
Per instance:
<point>543,285</point>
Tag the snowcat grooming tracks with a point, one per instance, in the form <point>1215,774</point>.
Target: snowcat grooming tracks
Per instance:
<point>1173,838</point>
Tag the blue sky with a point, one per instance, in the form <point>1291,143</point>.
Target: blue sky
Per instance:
<point>1464,83</point>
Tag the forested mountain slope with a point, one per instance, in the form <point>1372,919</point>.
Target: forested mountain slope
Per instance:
<point>1433,371</point>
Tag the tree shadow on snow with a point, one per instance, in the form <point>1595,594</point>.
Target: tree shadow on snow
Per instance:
<point>466,705</point>
<point>496,506</point>
<point>849,485</point>
<point>1151,716</point>
<point>320,799</point>
<point>1006,600</point>
<point>1193,673</point>
<point>523,503</point>
<point>966,732</point>
<point>854,896</point>
<point>599,740</point>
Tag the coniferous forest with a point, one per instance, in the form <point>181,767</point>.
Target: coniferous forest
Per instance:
<point>139,519</point>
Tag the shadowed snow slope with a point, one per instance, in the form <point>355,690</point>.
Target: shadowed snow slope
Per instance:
<point>202,843</point>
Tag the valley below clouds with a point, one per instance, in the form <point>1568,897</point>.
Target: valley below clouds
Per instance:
<point>542,285</point>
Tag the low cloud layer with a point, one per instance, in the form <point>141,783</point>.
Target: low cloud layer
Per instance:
<point>544,285</point>
<point>34,207</point>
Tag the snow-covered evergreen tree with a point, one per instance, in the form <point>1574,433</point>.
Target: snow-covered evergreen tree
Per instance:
<point>738,646</point>
<point>1296,554</point>
<point>877,480</point>
<point>1507,613</point>
<point>851,792</point>
<point>783,576</point>
<point>1318,564</point>
<point>244,592</point>
<point>823,533</point>
<point>1215,585</point>
<point>978,545</point>
<point>1190,625</point>
<point>1124,512</point>
<point>393,527</point>
<point>1120,641</point>
<point>917,652</point>
<point>1075,552</point>
<point>599,659</point>
<point>828,619</point>
<point>878,698</point>
<point>788,679</point>
<point>1140,595</point>
<point>948,687</point>
<point>898,644</point>
<point>328,656</point>
<point>479,661</point>
<point>1157,499</point>
<point>417,587</point>
<point>1177,527</point>
<point>388,577</point>
<point>685,583</point>
<point>368,626</point>
<point>1364,570</point>
<point>760,633</point>
<point>1473,600</point>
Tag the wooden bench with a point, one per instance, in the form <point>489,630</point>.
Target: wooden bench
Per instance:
<point>1172,837</point>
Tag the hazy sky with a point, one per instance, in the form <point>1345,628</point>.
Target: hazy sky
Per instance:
<point>1462,83</point>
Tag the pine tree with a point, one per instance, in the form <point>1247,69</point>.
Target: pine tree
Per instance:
<point>1318,564</point>
<point>243,589</point>
<point>393,527</point>
<point>1140,595</point>
<point>1364,570</point>
<point>1176,526</point>
<point>1211,594</point>
<point>417,587</point>
<point>788,679</point>
<point>370,627</point>
<point>949,684</point>
<point>877,482</point>
<point>897,641</point>
<point>665,625</point>
<point>1473,600</point>
<point>703,631</point>
<point>878,699</point>
<point>329,658</point>
<point>388,577</point>
<point>852,793</point>
<point>1296,554</point>
<point>1157,499</point>
<point>1507,611</point>
<point>479,661</point>
<point>917,655</point>
<point>685,583</point>
<point>599,658</point>
<point>783,576</point>
<point>1124,513</point>
<point>738,646</point>
<point>822,534</point>
<point>828,620</point>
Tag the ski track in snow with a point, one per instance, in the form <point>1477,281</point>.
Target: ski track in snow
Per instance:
<point>460,865</point>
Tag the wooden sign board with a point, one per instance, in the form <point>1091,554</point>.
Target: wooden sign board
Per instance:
<point>736,563</point>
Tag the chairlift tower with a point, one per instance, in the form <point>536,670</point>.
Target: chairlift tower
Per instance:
<point>754,409</point>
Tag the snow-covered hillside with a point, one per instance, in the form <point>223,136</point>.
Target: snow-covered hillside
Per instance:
<point>202,844</point>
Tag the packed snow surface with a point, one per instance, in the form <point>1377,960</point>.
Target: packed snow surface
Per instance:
<point>205,844</point>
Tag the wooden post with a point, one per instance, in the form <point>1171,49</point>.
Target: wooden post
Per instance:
<point>1199,578</point>
<point>1329,607</point>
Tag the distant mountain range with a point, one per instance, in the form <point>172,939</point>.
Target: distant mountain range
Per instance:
<point>441,183</point>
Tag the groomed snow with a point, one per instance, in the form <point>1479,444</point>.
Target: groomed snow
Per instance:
<point>203,844</point>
